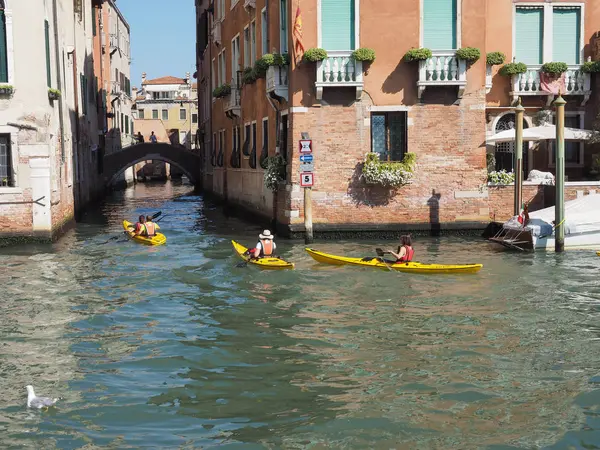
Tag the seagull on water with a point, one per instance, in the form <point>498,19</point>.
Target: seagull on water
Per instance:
<point>38,402</point>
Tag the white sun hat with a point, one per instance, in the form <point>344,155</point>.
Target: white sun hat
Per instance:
<point>266,235</point>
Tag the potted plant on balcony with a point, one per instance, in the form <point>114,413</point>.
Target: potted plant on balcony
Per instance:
<point>468,54</point>
<point>249,76</point>
<point>495,58</point>
<point>417,54</point>
<point>388,174</point>
<point>591,67</point>
<point>222,91</point>
<point>6,89</point>
<point>53,94</point>
<point>315,55</point>
<point>364,55</point>
<point>513,68</point>
<point>555,68</point>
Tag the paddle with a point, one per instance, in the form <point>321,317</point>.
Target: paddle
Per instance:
<point>114,238</point>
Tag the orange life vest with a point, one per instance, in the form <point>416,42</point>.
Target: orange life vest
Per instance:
<point>150,229</point>
<point>409,254</point>
<point>267,247</point>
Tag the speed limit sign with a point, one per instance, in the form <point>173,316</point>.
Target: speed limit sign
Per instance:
<point>306,179</point>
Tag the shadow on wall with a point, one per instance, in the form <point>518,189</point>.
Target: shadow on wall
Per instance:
<point>434,213</point>
<point>366,195</point>
<point>403,78</point>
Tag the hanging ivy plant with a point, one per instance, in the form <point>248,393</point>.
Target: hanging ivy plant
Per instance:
<point>468,54</point>
<point>315,54</point>
<point>510,69</point>
<point>53,94</point>
<point>417,54</point>
<point>274,171</point>
<point>364,55</point>
<point>495,58</point>
<point>388,174</point>
<point>555,68</point>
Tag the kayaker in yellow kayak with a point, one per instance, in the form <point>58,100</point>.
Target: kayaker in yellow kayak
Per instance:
<point>405,251</point>
<point>145,227</point>
<point>151,227</point>
<point>264,247</point>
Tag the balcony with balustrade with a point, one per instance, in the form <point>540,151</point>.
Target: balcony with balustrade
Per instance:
<point>232,105</point>
<point>443,69</point>
<point>339,69</point>
<point>573,82</point>
<point>277,81</point>
<point>216,31</point>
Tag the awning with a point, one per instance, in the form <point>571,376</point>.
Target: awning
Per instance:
<point>541,133</point>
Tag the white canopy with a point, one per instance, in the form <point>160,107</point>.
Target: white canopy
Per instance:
<point>541,133</point>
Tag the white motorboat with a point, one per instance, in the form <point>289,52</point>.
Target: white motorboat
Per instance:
<point>582,227</point>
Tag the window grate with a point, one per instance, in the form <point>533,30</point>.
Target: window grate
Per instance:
<point>6,175</point>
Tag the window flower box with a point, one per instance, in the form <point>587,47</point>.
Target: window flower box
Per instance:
<point>6,89</point>
<point>53,94</point>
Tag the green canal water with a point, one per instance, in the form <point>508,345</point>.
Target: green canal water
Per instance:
<point>175,347</point>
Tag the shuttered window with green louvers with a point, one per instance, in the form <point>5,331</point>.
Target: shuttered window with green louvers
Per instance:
<point>566,34</point>
<point>338,25</point>
<point>3,51</point>
<point>529,35</point>
<point>48,67</point>
<point>440,24</point>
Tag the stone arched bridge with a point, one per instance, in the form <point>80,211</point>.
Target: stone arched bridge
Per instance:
<point>116,163</point>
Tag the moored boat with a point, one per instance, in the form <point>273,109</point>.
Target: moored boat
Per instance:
<point>264,263</point>
<point>379,263</point>
<point>581,222</point>
<point>159,239</point>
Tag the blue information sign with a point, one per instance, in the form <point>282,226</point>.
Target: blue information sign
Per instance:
<point>306,158</point>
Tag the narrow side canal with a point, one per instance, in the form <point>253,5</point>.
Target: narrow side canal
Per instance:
<point>175,347</point>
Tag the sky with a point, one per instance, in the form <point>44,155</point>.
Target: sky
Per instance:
<point>163,37</point>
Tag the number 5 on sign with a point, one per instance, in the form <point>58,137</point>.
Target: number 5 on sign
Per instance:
<point>306,179</point>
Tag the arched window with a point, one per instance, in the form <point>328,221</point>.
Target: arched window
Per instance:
<point>505,151</point>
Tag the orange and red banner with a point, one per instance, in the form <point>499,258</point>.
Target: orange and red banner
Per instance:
<point>297,34</point>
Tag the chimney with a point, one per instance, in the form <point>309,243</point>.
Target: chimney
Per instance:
<point>187,78</point>
<point>143,77</point>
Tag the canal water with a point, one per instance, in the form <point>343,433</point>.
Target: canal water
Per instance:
<point>175,347</point>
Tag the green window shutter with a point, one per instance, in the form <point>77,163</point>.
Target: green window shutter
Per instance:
<point>440,24</point>
<point>94,20</point>
<point>337,24</point>
<point>3,52</point>
<point>48,69</point>
<point>529,33</point>
<point>126,124</point>
<point>566,35</point>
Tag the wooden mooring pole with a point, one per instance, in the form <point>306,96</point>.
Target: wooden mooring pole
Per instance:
<point>559,208</point>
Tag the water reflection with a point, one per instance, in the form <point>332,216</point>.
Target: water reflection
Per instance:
<point>176,347</point>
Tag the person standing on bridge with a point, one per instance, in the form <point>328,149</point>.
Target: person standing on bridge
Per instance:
<point>153,138</point>
<point>140,137</point>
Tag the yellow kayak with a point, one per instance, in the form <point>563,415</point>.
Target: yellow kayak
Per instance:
<point>597,253</point>
<point>159,239</point>
<point>402,267</point>
<point>263,263</point>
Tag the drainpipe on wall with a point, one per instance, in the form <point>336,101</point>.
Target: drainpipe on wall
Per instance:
<point>58,82</point>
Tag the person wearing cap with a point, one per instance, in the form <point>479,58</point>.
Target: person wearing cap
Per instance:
<point>265,245</point>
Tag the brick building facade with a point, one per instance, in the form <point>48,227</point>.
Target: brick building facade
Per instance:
<point>442,109</point>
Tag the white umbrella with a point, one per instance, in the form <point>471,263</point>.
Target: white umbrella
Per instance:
<point>541,133</point>
<point>511,136</point>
